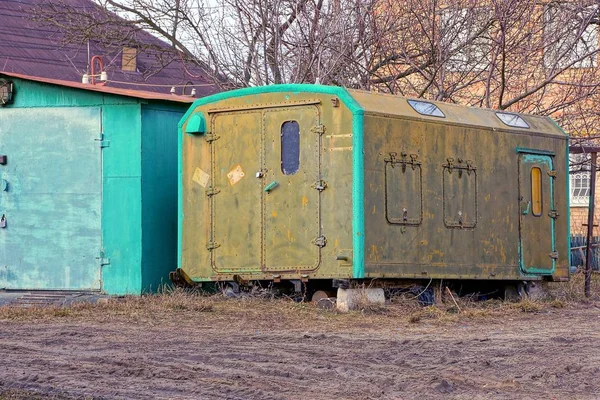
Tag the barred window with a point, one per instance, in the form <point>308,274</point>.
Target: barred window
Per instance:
<point>580,188</point>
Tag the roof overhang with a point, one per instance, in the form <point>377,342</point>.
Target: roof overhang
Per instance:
<point>140,94</point>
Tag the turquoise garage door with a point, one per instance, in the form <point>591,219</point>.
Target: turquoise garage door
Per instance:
<point>50,198</point>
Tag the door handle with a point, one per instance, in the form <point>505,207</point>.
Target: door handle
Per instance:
<point>271,186</point>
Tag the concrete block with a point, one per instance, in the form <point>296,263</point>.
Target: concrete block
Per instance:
<point>352,299</point>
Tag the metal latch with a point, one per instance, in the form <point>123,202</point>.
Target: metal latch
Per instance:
<point>320,241</point>
<point>450,164</point>
<point>413,160</point>
<point>552,173</point>
<point>102,260</point>
<point>553,214</point>
<point>554,255</point>
<point>320,129</point>
<point>211,191</point>
<point>211,137</point>
<point>212,245</point>
<point>102,142</point>
<point>320,185</point>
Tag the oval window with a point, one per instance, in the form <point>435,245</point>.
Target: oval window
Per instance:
<point>290,147</point>
<point>536,191</point>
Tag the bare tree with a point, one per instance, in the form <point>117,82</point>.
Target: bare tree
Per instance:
<point>521,55</point>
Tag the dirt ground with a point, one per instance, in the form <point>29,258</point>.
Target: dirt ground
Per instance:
<point>210,348</point>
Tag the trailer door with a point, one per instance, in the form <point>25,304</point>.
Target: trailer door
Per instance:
<point>537,214</point>
<point>234,194</point>
<point>291,189</point>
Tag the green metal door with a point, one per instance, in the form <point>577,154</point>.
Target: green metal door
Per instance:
<point>537,214</point>
<point>235,193</point>
<point>292,187</point>
<point>50,198</point>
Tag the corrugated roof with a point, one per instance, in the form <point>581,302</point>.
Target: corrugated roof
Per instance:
<point>32,49</point>
<point>141,94</point>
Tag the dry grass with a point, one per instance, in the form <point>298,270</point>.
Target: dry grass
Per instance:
<point>572,291</point>
<point>179,307</point>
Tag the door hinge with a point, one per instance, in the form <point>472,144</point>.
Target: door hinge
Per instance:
<point>319,185</point>
<point>102,142</point>
<point>554,255</point>
<point>553,214</point>
<point>102,260</point>
<point>211,191</point>
<point>320,241</point>
<point>320,129</point>
<point>211,137</point>
<point>212,245</point>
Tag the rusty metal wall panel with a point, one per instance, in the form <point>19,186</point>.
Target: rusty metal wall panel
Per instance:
<point>485,192</point>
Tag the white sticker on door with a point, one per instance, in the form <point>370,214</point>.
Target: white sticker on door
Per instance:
<point>201,177</point>
<point>235,175</point>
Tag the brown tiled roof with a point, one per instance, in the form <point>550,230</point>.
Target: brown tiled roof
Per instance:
<point>33,49</point>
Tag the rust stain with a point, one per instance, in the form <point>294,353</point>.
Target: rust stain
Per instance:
<point>304,201</point>
<point>374,254</point>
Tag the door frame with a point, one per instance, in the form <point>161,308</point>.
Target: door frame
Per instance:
<point>544,156</point>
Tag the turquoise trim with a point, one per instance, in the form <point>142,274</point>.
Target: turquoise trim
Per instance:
<point>358,194</point>
<point>534,151</point>
<point>568,200</point>
<point>568,196</point>
<point>542,159</point>
<point>358,214</point>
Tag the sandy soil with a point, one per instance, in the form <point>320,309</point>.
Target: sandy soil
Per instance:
<point>299,352</point>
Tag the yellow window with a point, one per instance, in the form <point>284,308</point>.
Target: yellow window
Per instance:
<point>536,191</point>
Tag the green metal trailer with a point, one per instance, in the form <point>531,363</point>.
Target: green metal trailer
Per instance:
<point>309,182</point>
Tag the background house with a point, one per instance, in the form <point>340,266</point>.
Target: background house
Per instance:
<point>31,46</point>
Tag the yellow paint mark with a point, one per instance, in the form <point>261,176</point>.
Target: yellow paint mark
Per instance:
<point>373,255</point>
<point>304,201</point>
<point>374,210</point>
<point>274,214</point>
<point>289,236</point>
<point>438,253</point>
<point>488,197</point>
<point>341,148</point>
